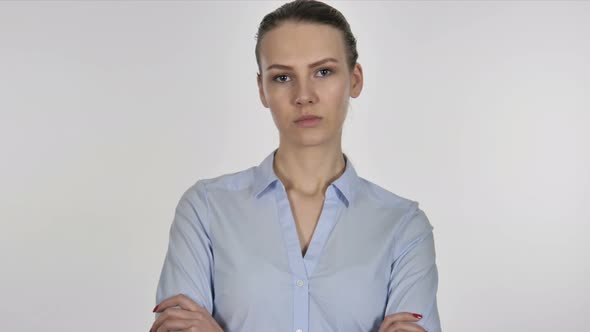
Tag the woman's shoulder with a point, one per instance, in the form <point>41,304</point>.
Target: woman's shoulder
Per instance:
<point>399,209</point>
<point>384,197</point>
<point>226,181</point>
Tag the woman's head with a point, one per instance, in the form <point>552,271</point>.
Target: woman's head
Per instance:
<point>307,60</point>
<point>309,12</point>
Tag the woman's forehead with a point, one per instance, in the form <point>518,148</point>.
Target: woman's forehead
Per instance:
<point>295,44</point>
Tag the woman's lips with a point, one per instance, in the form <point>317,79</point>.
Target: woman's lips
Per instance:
<point>309,122</point>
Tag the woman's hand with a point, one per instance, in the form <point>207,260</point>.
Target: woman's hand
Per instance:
<point>190,317</point>
<point>401,322</point>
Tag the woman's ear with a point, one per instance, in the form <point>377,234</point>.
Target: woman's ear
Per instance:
<point>356,80</point>
<point>261,90</point>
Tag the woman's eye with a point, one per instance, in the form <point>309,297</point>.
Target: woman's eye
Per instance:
<point>278,78</point>
<point>284,78</point>
<point>324,71</point>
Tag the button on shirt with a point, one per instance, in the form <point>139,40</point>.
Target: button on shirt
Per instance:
<point>234,250</point>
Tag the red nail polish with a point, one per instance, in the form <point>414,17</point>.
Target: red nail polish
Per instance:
<point>417,316</point>
<point>155,309</point>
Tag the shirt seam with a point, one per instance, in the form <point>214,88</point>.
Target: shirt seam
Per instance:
<point>208,230</point>
<point>408,215</point>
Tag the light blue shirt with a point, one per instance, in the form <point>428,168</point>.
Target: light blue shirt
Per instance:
<point>234,250</point>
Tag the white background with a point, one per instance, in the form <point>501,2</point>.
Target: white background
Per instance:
<point>110,110</point>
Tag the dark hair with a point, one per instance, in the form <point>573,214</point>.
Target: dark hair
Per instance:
<point>309,11</point>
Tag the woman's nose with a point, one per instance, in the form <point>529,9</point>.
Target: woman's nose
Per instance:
<point>305,94</point>
<point>302,100</point>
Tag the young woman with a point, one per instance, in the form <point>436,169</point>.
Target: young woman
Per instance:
<point>300,242</point>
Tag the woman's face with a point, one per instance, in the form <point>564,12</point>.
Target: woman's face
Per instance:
<point>305,72</point>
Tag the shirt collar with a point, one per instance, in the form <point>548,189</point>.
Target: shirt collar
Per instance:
<point>265,177</point>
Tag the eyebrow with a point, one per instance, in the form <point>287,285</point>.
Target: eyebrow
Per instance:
<point>317,63</point>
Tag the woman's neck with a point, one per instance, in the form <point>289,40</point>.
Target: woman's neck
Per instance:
<point>308,171</point>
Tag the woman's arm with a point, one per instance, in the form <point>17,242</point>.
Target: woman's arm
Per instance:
<point>413,281</point>
<point>188,264</point>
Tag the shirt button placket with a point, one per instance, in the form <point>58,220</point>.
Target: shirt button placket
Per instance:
<point>301,305</point>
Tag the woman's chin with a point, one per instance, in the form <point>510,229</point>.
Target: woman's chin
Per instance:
<point>312,140</point>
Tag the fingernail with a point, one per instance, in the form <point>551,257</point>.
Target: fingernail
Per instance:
<point>155,309</point>
<point>417,316</point>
